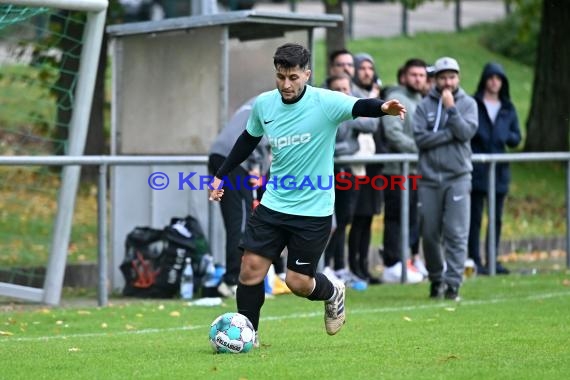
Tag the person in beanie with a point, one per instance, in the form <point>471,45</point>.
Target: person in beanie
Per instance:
<point>346,144</point>
<point>444,123</point>
<point>498,128</point>
<point>369,200</point>
<point>368,85</point>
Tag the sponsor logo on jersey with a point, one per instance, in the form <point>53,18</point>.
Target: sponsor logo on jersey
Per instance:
<point>283,141</point>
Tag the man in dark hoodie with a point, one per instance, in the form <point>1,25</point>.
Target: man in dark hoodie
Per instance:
<point>444,123</point>
<point>498,128</point>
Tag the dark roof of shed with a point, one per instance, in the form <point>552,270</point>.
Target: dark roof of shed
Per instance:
<point>244,25</point>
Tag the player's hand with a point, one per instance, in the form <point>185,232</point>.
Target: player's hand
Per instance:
<point>215,189</point>
<point>395,108</point>
<point>447,98</point>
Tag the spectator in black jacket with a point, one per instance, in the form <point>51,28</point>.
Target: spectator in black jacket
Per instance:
<point>347,143</point>
<point>236,205</point>
<point>498,128</point>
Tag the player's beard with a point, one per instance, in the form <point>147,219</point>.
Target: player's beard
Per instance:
<point>291,95</point>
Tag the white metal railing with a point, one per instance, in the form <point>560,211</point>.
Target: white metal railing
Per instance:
<point>103,162</point>
<point>492,159</point>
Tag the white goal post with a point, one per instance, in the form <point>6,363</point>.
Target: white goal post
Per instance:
<point>92,37</point>
<point>71,5</point>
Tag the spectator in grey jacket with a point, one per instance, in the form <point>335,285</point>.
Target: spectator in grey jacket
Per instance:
<point>399,137</point>
<point>444,123</point>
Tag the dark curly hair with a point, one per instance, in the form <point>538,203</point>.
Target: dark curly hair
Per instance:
<point>289,56</point>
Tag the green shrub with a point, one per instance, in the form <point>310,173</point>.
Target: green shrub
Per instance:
<point>516,37</point>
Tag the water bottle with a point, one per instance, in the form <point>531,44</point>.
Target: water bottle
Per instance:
<point>187,281</point>
<point>208,271</point>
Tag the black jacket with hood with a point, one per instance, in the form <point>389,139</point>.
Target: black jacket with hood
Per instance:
<point>494,137</point>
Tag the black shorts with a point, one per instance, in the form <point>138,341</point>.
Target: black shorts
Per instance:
<point>268,232</point>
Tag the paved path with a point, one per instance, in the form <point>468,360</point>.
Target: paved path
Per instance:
<point>384,19</point>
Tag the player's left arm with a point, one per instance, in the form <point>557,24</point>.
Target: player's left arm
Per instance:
<point>374,107</point>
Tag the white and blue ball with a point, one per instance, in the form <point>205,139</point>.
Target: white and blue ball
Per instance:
<point>233,333</point>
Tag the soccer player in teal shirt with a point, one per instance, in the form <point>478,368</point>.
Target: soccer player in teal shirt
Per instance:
<point>296,210</point>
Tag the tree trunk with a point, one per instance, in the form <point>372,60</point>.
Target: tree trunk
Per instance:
<point>95,143</point>
<point>548,123</point>
<point>405,14</point>
<point>458,27</point>
<point>335,37</point>
<point>508,7</point>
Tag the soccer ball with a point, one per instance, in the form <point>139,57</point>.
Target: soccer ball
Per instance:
<point>232,332</point>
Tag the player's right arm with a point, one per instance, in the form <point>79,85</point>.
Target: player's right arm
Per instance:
<point>242,149</point>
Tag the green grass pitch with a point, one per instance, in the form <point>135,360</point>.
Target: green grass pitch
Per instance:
<point>512,327</point>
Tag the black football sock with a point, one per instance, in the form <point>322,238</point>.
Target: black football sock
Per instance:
<point>324,289</point>
<point>249,301</point>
